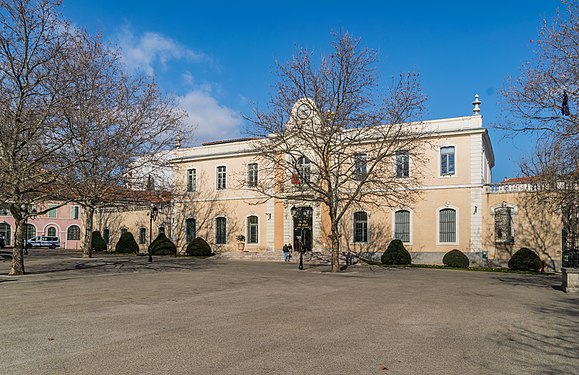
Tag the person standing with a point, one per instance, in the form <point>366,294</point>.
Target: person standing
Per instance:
<point>285,253</point>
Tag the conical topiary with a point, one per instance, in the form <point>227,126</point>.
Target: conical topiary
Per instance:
<point>163,246</point>
<point>396,254</point>
<point>127,244</point>
<point>198,247</point>
<point>98,242</point>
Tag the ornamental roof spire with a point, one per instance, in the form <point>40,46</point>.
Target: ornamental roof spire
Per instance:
<point>476,103</point>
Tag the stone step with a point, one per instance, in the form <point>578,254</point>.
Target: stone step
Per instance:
<point>270,256</point>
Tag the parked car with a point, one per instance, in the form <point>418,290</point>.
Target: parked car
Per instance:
<point>43,241</point>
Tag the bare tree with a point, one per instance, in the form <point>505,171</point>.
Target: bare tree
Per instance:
<point>32,44</point>
<point>331,135</point>
<point>117,125</point>
<point>543,101</point>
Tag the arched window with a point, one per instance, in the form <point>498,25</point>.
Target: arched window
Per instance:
<point>402,225</point>
<point>190,230</point>
<point>51,232</point>
<point>221,231</point>
<point>5,231</point>
<point>447,225</point>
<point>360,226</point>
<point>29,232</point>
<point>73,233</point>
<point>252,229</point>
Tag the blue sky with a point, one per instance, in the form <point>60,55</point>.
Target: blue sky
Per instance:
<point>217,56</point>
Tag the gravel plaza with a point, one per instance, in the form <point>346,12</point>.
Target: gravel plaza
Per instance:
<point>122,315</point>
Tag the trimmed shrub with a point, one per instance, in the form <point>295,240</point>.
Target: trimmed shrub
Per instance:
<point>127,244</point>
<point>525,260</point>
<point>396,254</point>
<point>198,247</point>
<point>98,242</point>
<point>455,258</point>
<point>163,246</point>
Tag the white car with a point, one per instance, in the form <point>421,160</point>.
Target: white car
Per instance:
<point>43,241</point>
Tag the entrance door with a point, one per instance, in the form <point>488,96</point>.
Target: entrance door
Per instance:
<point>303,228</point>
<point>5,231</point>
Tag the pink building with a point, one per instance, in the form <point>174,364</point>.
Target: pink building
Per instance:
<point>64,222</point>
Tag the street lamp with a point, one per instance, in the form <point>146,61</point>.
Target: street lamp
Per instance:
<point>297,214</point>
<point>152,217</point>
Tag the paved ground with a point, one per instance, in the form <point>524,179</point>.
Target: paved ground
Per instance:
<point>121,315</point>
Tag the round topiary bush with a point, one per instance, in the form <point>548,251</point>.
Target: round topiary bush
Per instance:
<point>163,246</point>
<point>98,242</point>
<point>127,244</point>
<point>525,260</point>
<point>455,258</point>
<point>396,254</point>
<point>198,247</point>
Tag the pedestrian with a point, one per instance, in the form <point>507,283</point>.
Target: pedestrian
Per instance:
<point>285,253</point>
<point>290,249</point>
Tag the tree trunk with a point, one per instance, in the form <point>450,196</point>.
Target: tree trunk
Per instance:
<point>18,251</point>
<point>335,236</point>
<point>88,226</point>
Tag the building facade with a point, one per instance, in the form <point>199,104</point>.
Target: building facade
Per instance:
<point>458,207</point>
<point>61,221</point>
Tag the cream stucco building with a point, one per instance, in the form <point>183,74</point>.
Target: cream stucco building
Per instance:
<point>458,206</point>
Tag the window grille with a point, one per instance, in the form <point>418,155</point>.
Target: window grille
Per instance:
<point>402,225</point>
<point>447,225</point>
<point>221,231</point>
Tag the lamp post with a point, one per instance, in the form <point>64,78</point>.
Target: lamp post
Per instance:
<point>152,217</point>
<point>297,214</point>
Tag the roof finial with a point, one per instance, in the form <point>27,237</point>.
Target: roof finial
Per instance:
<point>476,103</point>
<point>177,142</point>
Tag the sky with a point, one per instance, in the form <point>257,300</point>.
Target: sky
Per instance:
<point>218,57</point>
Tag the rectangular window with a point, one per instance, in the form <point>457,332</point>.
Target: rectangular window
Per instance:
<point>447,225</point>
<point>75,212</point>
<point>504,225</point>
<point>252,229</point>
<point>360,166</point>
<point>402,164</point>
<point>221,178</point>
<point>221,231</point>
<point>52,212</point>
<point>142,236</point>
<point>447,161</point>
<point>252,175</point>
<point>191,180</point>
<point>360,227</point>
<point>402,225</point>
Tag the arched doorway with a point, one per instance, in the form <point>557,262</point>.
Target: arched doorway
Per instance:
<point>29,231</point>
<point>303,224</point>
<point>5,231</point>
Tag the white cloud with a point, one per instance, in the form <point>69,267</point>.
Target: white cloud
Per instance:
<point>208,120</point>
<point>143,52</point>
